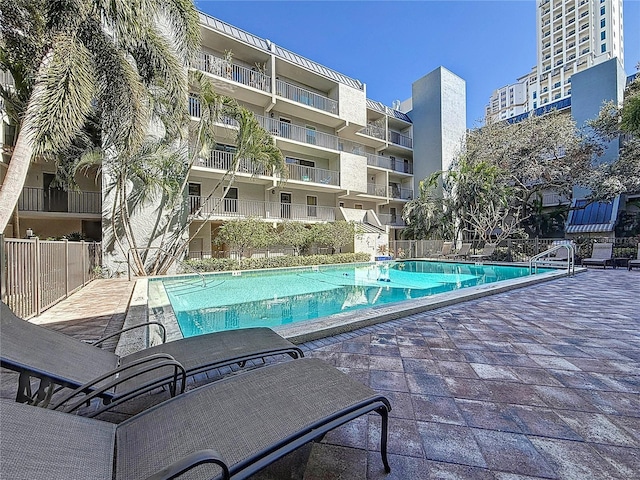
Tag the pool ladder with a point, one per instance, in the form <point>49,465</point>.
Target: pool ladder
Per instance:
<point>544,259</point>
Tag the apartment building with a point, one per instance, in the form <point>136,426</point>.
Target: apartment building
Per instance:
<point>572,36</point>
<point>348,156</point>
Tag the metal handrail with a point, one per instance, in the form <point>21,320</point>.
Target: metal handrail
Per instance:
<point>535,261</point>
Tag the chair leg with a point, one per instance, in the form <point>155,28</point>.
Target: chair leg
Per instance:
<point>384,414</point>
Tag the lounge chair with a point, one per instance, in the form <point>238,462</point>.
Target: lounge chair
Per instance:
<point>59,360</point>
<point>446,250</point>
<point>487,252</point>
<point>602,254</point>
<point>634,262</point>
<point>465,248</point>
<point>230,429</point>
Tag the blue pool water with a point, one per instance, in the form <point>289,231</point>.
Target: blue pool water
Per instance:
<point>272,298</point>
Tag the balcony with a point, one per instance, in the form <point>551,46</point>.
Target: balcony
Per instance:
<point>232,71</point>
<point>395,164</point>
<point>313,175</point>
<point>57,200</point>
<point>391,220</point>
<point>377,190</point>
<point>234,208</point>
<point>195,110</point>
<point>401,193</point>
<point>400,139</point>
<point>374,131</point>
<point>219,160</point>
<point>306,97</point>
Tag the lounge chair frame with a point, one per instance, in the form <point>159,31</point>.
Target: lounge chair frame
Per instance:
<point>120,379</point>
<point>602,255</point>
<point>319,396</point>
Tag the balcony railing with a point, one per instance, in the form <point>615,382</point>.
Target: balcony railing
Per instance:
<point>392,220</point>
<point>306,97</point>
<point>377,190</point>
<point>232,71</point>
<point>56,200</point>
<point>374,131</point>
<point>220,160</point>
<point>401,193</point>
<point>399,139</point>
<point>395,164</point>
<point>230,207</point>
<point>195,110</point>
<point>313,174</point>
<point>298,133</point>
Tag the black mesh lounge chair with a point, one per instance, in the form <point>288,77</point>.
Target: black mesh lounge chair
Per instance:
<point>228,429</point>
<point>465,248</point>
<point>59,360</point>
<point>634,262</point>
<point>446,250</point>
<point>487,252</point>
<point>602,254</point>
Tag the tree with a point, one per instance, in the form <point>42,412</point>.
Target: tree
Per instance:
<point>427,215</point>
<point>613,121</point>
<point>497,180</point>
<point>335,235</point>
<point>295,235</point>
<point>245,234</point>
<point>88,56</point>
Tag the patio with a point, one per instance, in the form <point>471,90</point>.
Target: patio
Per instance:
<point>540,382</point>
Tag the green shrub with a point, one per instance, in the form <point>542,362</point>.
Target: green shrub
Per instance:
<point>228,264</point>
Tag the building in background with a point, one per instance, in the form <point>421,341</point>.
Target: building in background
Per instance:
<point>571,36</point>
<point>348,157</point>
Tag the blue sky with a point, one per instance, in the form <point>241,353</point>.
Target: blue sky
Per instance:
<point>390,44</point>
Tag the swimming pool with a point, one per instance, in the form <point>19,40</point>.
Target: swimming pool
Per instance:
<point>280,297</point>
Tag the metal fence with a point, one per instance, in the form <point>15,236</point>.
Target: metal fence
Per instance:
<point>515,250</point>
<point>36,274</point>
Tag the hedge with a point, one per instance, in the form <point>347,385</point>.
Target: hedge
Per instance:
<point>226,264</point>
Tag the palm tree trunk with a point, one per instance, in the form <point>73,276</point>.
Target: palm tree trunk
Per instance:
<point>16,174</point>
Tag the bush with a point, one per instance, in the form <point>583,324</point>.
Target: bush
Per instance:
<point>228,264</point>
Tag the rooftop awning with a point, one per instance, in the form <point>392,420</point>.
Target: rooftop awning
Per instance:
<point>592,217</point>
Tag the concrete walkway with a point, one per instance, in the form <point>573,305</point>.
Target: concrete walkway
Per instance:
<point>540,382</point>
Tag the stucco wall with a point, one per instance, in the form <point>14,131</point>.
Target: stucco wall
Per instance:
<point>352,105</point>
<point>353,172</point>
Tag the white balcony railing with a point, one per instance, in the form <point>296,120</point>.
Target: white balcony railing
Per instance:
<point>232,71</point>
<point>374,131</point>
<point>306,97</point>
<point>313,174</point>
<point>56,200</point>
<point>377,190</point>
<point>396,164</point>
<point>234,208</point>
<point>219,160</point>
<point>401,193</point>
<point>391,220</point>
<point>400,139</point>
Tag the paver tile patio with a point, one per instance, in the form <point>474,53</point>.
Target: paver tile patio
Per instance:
<point>539,382</point>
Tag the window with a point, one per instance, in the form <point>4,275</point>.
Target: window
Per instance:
<point>231,200</point>
<point>312,203</point>
<point>602,10</point>
<point>603,47</point>
<point>535,104</point>
<point>357,206</point>
<point>602,23</point>
<point>556,85</point>
<point>311,134</point>
<point>603,35</point>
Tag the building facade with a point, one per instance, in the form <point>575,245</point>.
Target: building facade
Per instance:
<point>348,157</point>
<point>571,36</point>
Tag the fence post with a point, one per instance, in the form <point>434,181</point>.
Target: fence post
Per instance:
<point>38,280</point>
<point>66,267</point>
<point>3,272</point>
<point>84,263</point>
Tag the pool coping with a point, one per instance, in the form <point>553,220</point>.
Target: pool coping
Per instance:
<point>139,311</point>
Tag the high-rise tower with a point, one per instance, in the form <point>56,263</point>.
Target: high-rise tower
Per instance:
<point>572,35</point>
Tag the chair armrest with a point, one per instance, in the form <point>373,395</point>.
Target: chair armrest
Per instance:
<point>122,374</point>
<point>190,461</point>
<point>145,324</point>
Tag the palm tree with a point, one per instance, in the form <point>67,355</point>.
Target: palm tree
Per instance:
<point>79,57</point>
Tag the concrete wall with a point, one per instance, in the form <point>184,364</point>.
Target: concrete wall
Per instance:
<point>439,121</point>
<point>353,172</point>
<point>352,105</point>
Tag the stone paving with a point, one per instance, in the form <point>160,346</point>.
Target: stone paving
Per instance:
<point>540,382</point>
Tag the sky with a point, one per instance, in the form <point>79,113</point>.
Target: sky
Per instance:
<point>390,44</point>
